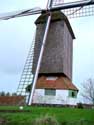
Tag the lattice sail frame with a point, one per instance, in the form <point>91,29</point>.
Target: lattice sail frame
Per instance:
<point>27,76</point>
<point>75,12</point>
<point>57,2</point>
<point>79,11</point>
<point>61,2</point>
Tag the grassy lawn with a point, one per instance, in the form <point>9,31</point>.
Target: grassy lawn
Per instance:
<point>61,114</point>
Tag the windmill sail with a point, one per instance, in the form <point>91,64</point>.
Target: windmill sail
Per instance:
<point>20,13</point>
<point>57,2</point>
<point>77,9</point>
<point>62,5</point>
<point>27,76</point>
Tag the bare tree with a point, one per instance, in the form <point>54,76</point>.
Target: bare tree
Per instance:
<point>88,90</point>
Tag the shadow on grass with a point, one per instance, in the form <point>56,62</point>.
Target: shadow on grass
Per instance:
<point>82,122</point>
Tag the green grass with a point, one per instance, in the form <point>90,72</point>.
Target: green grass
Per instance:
<point>14,108</point>
<point>61,114</point>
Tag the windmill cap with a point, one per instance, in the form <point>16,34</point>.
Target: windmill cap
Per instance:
<point>56,16</point>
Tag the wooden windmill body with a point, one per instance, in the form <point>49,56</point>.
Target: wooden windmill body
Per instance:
<point>55,72</point>
<point>57,55</point>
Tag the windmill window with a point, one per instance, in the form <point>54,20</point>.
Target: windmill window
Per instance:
<point>51,78</point>
<point>50,92</point>
<point>72,94</point>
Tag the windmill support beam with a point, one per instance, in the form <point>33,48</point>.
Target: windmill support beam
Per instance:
<point>39,60</point>
<point>72,5</point>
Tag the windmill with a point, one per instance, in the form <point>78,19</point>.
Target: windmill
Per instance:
<point>70,9</point>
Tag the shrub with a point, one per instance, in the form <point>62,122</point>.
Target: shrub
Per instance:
<point>45,120</point>
<point>80,105</point>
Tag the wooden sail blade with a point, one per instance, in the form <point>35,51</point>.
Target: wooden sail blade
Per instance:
<point>20,13</point>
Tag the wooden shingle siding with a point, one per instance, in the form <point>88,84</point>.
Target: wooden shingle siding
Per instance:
<point>57,56</point>
<point>52,61</point>
<point>38,42</point>
<point>68,52</point>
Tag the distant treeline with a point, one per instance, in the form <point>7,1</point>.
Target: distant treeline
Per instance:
<point>2,93</point>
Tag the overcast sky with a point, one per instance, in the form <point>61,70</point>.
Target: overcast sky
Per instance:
<point>16,37</point>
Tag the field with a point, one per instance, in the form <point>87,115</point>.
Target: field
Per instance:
<point>62,115</point>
